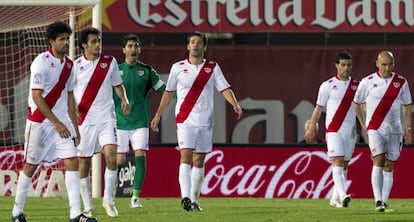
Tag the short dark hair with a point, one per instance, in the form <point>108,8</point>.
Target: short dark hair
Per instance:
<point>200,34</point>
<point>56,28</point>
<point>131,37</point>
<point>343,55</point>
<point>83,35</point>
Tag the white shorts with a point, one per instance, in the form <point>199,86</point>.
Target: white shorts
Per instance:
<point>340,144</point>
<point>138,138</point>
<point>44,144</point>
<point>94,137</point>
<point>197,138</point>
<point>384,142</point>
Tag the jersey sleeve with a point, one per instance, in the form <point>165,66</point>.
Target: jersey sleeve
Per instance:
<point>37,73</point>
<point>71,81</point>
<point>220,81</point>
<point>361,93</point>
<point>115,73</point>
<point>323,94</point>
<point>406,98</point>
<point>156,81</point>
<point>172,79</point>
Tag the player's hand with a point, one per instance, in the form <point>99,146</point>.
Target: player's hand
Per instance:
<point>310,136</point>
<point>126,108</point>
<point>408,136</point>
<point>62,130</point>
<point>154,123</point>
<point>238,110</point>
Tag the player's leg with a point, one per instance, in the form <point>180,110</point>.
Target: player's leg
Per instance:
<point>186,142</point>
<point>122,150</point>
<point>184,177</point>
<point>204,145</point>
<point>110,177</point>
<point>336,145</point>
<point>86,148</point>
<point>393,153</point>
<point>197,178</point>
<point>23,183</point>
<point>38,140</point>
<point>139,142</point>
<point>376,143</point>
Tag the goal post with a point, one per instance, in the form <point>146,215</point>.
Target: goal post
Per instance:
<point>22,28</point>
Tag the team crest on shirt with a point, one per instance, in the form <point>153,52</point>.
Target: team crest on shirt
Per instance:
<point>103,65</point>
<point>69,65</point>
<point>207,70</point>
<point>140,72</point>
<point>353,87</point>
<point>52,65</point>
<point>396,84</point>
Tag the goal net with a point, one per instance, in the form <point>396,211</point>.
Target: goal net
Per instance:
<point>22,38</point>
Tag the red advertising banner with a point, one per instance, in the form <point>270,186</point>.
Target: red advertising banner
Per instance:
<point>272,172</point>
<point>233,171</point>
<point>258,16</point>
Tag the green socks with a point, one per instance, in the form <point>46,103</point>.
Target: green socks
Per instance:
<point>140,168</point>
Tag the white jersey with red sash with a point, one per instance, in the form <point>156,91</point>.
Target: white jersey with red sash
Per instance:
<point>55,78</point>
<point>337,96</point>
<point>94,81</point>
<point>383,98</point>
<point>195,90</point>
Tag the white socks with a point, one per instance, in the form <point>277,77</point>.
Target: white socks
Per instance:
<point>388,180</point>
<point>110,177</point>
<point>184,178</point>
<point>85,190</point>
<point>377,182</point>
<point>197,177</point>
<point>72,186</point>
<point>22,191</point>
<point>339,180</point>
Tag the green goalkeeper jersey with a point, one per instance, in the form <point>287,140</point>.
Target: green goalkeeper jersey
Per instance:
<point>138,79</point>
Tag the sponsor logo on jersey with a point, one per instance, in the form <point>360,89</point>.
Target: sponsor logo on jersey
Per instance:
<point>103,65</point>
<point>37,78</point>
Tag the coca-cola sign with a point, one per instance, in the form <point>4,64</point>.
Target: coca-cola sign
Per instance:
<point>270,172</point>
<point>259,16</point>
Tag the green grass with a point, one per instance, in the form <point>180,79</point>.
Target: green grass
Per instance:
<point>219,209</point>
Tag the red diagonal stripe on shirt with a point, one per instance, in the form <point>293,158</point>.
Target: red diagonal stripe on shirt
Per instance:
<point>52,97</point>
<point>343,108</point>
<point>195,91</point>
<point>92,89</point>
<point>386,102</point>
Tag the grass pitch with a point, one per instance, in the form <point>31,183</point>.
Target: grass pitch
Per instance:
<point>219,210</point>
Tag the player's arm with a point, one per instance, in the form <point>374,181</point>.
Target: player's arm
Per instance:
<point>407,123</point>
<point>165,100</point>
<point>231,98</point>
<point>359,112</point>
<point>310,135</point>
<point>47,112</point>
<point>121,93</point>
<point>72,115</point>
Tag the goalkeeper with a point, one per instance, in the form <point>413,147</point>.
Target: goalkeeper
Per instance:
<point>138,79</point>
